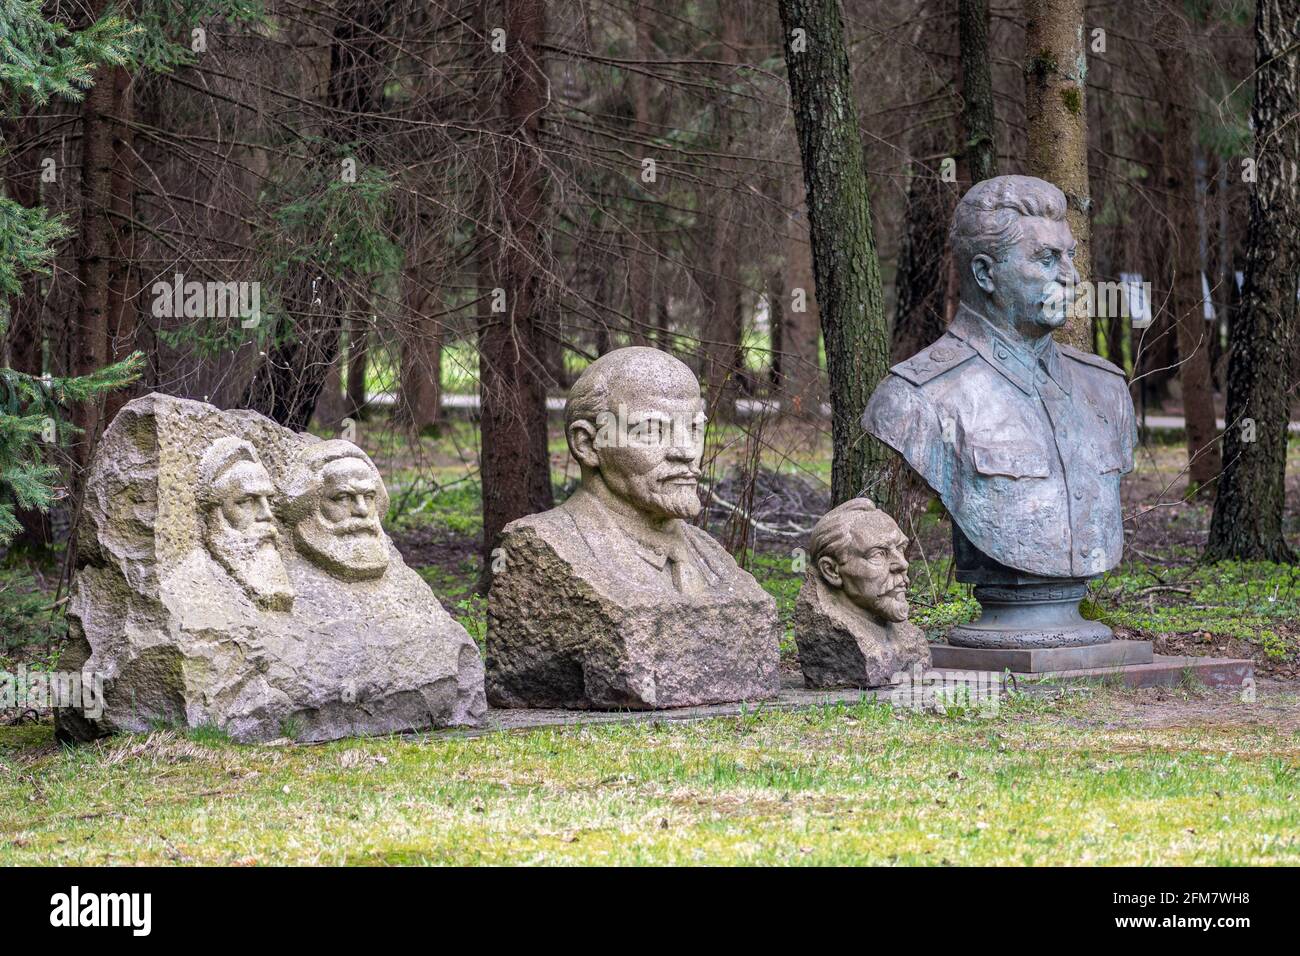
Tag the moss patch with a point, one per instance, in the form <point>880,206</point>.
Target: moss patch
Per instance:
<point>1043,64</point>
<point>1072,97</point>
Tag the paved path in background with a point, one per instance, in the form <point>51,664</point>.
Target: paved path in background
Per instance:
<point>752,406</point>
<point>1174,422</point>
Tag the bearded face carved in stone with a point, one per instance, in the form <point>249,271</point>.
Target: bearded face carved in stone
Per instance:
<point>859,554</point>
<point>239,528</point>
<point>335,504</point>
<point>640,444</point>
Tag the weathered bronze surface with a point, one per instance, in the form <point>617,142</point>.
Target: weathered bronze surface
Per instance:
<point>1024,440</point>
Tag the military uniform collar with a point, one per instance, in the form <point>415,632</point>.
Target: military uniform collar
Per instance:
<point>1017,365</point>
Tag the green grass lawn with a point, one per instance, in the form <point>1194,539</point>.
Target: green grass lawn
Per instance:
<point>1109,776</point>
<point>1078,780</point>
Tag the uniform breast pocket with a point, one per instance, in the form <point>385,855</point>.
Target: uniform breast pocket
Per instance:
<point>1108,461</point>
<point>1009,457</point>
<point>1109,469</point>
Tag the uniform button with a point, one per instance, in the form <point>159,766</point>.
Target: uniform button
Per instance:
<point>1002,354</point>
<point>1078,496</point>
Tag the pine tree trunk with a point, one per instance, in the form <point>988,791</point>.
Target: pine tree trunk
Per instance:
<point>1155,348</point>
<point>1262,369</point>
<point>514,462</point>
<point>723,323</point>
<point>331,404</point>
<point>925,271</point>
<point>290,381</point>
<point>1056,118</point>
<point>421,388</point>
<point>977,152</point>
<point>980,143</point>
<point>720,336</point>
<point>847,271</point>
<point>1185,277</point>
<point>420,391</point>
<point>103,327</point>
<point>921,281</point>
<point>358,347</point>
<point>802,382</point>
<point>641,252</point>
<point>94,259</point>
<point>123,277</point>
<point>288,384</point>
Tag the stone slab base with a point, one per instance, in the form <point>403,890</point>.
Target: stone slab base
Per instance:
<point>1161,672</point>
<point>1041,660</point>
<point>499,719</point>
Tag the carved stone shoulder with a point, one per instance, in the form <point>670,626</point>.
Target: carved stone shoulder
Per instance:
<point>934,360</point>
<point>720,562</point>
<point>560,529</point>
<point>543,522</point>
<point>1088,358</point>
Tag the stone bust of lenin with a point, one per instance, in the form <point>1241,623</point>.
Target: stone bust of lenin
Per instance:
<point>614,599</point>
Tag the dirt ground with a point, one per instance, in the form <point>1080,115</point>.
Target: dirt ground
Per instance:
<point>1276,706</point>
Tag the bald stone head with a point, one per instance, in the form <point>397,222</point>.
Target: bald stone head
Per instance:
<point>1015,254</point>
<point>635,424</point>
<point>858,551</point>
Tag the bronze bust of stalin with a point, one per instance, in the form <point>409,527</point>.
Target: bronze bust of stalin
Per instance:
<point>1023,439</point>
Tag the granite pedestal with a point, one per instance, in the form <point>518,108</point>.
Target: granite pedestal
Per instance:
<point>1041,660</point>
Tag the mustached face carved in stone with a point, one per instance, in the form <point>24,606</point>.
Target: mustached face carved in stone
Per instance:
<point>239,528</point>
<point>859,554</point>
<point>636,427</point>
<point>334,503</point>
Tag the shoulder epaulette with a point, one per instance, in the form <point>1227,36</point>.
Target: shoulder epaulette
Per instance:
<point>934,360</point>
<point>1088,358</point>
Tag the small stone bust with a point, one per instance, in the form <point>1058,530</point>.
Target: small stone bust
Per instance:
<point>851,615</point>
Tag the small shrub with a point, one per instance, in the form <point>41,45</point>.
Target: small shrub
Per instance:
<point>26,618</point>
